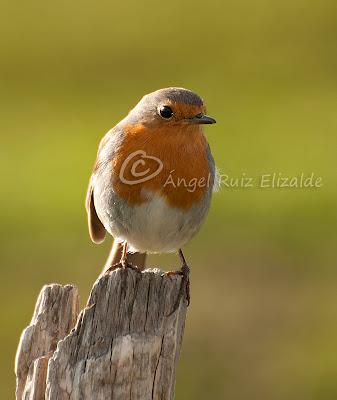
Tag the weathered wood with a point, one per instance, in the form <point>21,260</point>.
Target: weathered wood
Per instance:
<point>35,385</point>
<point>55,315</point>
<point>125,344</point>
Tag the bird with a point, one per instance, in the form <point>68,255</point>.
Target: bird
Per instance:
<point>153,179</point>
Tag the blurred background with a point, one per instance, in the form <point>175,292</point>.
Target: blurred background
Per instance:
<point>263,319</point>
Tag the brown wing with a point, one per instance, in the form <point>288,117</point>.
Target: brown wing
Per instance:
<point>97,231</point>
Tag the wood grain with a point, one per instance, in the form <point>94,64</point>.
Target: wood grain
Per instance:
<point>125,344</point>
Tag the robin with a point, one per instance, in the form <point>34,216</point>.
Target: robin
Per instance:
<point>152,182</point>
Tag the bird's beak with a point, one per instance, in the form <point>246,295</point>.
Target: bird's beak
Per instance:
<point>201,119</point>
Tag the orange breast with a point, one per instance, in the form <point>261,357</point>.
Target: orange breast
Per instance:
<point>177,170</point>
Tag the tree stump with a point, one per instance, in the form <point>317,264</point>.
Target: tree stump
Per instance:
<point>125,343</point>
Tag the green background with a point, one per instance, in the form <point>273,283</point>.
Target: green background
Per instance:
<point>263,319</point>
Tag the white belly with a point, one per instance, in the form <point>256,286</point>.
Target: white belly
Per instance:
<point>154,226</point>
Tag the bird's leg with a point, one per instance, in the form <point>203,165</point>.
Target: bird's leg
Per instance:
<point>185,270</point>
<point>123,262</point>
<point>185,281</point>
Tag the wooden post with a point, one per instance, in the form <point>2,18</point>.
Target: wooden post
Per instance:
<point>124,345</point>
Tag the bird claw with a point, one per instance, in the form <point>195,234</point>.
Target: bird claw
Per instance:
<point>123,264</point>
<point>184,286</point>
<point>113,267</point>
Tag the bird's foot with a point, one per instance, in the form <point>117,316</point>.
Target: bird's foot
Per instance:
<point>113,267</point>
<point>184,286</point>
<point>123,264</point>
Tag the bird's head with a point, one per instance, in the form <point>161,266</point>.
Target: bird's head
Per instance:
<point>170,107</point>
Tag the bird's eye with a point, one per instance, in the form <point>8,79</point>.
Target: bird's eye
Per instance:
<point>166,112</point>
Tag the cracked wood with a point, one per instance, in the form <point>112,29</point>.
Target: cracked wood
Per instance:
<point>125,344</point>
